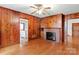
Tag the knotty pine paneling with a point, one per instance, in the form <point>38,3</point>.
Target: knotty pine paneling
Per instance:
<point>75,34</point>
<point>36,28</point>
<point>52,21</point>
<point>75,30</point>
<point>33,25</point>
<point>10,26</point>
<point>72,16</point>
<point>0,27</point>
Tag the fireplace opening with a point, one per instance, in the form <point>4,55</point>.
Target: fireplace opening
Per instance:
<point>51,36</point>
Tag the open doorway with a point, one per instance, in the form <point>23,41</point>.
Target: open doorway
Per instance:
<point>23,32</point>
<point>75,33</point>
<point>71,31</point>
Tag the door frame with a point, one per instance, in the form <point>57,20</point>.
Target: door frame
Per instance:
<point>73,28</point>
<point>24,21</point>
<point>68,29</point>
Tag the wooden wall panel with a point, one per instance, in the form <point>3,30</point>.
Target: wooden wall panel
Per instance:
<point>72,16</point>
<point>0,27</point>
<point>36,27</point>
<point>52,21</point>
<point>10,26</point>
<point>33,25</point>
<point>75,34</point>
<point>75,30</point>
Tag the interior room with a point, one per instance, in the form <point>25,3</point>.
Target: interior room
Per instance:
<point>39,29</point>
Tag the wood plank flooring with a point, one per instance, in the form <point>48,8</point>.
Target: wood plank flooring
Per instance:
<point>39,47</point>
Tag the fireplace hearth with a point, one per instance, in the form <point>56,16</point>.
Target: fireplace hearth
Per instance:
<point>51,36</point>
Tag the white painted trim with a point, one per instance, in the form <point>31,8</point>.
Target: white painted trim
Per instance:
<point>68,24</point>
<point>23,42</point>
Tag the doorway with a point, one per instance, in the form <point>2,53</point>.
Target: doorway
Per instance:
<point>71,27</point>
<point>75,33</point>
<point>23,32</point>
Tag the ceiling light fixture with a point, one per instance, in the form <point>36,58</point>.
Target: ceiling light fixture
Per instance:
<point>40,9</point>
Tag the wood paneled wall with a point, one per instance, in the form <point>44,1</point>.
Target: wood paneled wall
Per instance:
<point>75,34</point>
<point>54,21</point>
<point>0,27</point>
<point>72,16</point>
<point>10,26</point>
<point>33,25</point>
<point>75,30</point>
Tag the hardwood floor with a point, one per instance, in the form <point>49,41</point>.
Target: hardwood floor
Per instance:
<point>39,47</point>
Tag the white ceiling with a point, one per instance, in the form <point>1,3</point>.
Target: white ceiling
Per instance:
<point>55,8</point>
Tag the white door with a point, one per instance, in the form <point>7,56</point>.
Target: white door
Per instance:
<point>23,32</point>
